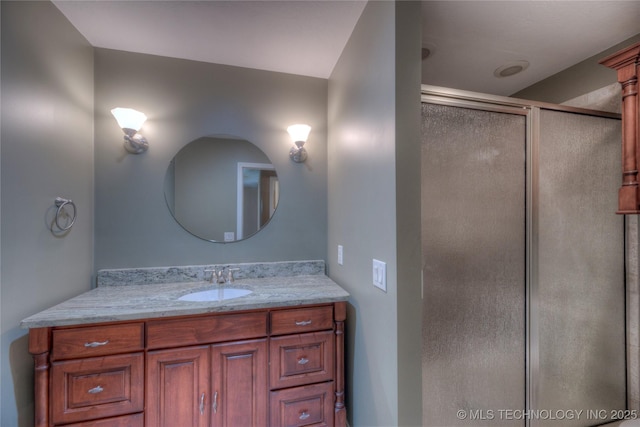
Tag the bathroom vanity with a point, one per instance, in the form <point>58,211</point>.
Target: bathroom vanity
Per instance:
<point>136,355</point>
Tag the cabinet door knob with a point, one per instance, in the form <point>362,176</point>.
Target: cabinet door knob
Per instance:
<point>96,344</point>
<point>303,323</point>
<point>304,415</point>
<point>96,390</point>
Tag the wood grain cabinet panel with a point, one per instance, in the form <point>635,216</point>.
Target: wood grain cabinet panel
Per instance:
<point>99,387</point>
<point>310,405</point>
<point>135,420</point>
<point>627,64</point>
<point>239,377</point>
<point>92,341</point>
<point>178,384</point>
<point>204,330</point>
<point>295,321</point>
<point>301,359</point>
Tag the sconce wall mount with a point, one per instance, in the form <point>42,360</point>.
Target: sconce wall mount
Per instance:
<point>134,142</point>
<point>299,134</point>
<point>131,121</point>
<point>298,153</point>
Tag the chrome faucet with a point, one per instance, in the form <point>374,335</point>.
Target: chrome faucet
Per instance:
<point>220,277</point>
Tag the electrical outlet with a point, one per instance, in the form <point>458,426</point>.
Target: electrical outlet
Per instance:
<point>340,253</point>
<point>380,275</point>
<point>229,236</point>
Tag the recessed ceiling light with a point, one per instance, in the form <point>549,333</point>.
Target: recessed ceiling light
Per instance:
<point>511,69</point>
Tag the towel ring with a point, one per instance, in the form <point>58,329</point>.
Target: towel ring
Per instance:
<point>61,203</point>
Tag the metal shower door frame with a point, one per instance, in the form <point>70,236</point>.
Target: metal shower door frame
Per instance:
<point>531,110</point>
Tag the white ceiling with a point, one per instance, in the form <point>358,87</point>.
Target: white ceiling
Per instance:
<point>298,37</point>
<point>468,39</point>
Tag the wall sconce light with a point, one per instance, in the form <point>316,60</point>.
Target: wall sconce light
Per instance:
<point>131,121</point>
<point>299,135</point>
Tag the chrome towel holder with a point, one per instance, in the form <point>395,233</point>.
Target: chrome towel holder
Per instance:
<point>61,203</point>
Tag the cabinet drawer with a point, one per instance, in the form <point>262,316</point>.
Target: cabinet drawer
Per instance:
<point>310,405</point>
<point>135,420</point>
<point>205,330</point>
<point>301,359</point>
<point>86,389</point>
<point>301,320</point>
<point>97,341</point>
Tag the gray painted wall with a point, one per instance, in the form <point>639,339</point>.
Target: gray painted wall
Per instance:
<point>579,79</point>
<point>46,151</point>
<point>408,205</point>
<point>374,184</point>
<point>185,100</point>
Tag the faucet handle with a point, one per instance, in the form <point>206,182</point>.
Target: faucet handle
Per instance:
<point>230,271</point>
<point>213,274</point>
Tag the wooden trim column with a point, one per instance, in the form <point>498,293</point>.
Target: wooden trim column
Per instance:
<point>625,62</point>
<point>340,416</point>
<point>39,345</point>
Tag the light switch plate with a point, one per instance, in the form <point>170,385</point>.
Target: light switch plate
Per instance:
<point>380,274</point>
<point>340,253</point>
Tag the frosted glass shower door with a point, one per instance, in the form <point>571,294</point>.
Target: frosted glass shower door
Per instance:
<point>578,296</point>
<point>523,274</point>
<point>474,241</point>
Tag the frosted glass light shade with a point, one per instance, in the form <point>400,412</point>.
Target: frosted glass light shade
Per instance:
<point>299,132</point>
<point>129,118</point>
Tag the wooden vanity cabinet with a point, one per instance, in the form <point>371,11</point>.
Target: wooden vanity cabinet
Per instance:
<point>271,367</point>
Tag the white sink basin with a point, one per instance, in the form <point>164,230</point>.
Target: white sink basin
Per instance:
<point>216,294</point>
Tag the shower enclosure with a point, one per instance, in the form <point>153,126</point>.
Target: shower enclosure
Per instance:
<point>523,263</point>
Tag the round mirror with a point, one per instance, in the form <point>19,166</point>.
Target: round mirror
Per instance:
<point>221,189</point>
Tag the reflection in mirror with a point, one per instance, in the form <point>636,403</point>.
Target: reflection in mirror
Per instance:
<point>221,189</point>
<point>257,198</point>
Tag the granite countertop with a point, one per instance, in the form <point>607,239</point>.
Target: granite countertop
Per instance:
<point>142,301</point>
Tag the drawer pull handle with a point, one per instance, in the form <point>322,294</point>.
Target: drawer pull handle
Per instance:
<point>304,323</point>
<point>304,415</point>
<point>96,344</point>
<point>96,390</point>
<point>215,402</point>
<point>303,361</point>
<point>202,404</point>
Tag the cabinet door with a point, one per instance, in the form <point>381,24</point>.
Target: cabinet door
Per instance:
<point>178,387</point>
<point>239,375</point>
